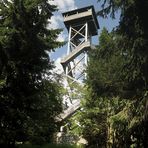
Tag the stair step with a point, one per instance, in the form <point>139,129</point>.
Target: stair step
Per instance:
<point>69,112</point>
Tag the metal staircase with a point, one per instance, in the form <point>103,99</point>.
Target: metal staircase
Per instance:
<point>69,111</point>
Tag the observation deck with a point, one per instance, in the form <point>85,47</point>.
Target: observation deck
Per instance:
<point>81,16</point>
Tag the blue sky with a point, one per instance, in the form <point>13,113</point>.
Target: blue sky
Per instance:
<point>67,5</point>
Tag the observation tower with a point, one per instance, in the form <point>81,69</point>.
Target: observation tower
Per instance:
<point>81,24</point>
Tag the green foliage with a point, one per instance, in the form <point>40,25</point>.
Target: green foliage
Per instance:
<point>97,118</point>
<point>49,146</point>
<point>29,99</point>
<point>113,112</point>
<point>106,62</point>
<point>134,33</point>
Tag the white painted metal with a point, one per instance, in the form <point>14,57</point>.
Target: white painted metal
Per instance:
<point>86,32</point>
<point>69,37</point>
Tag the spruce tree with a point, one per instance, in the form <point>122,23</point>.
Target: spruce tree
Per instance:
<point>118,80</point>
<point>29,100</point>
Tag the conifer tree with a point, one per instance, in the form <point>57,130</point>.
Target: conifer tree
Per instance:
<point>29,100</point>
<point>117,80</point>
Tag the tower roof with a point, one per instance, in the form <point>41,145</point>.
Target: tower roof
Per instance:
<point>80,16</point>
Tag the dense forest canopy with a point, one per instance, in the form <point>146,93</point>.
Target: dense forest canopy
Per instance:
<point>114,108</point>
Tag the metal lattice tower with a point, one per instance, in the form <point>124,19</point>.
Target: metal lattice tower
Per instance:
<point>81,24</point>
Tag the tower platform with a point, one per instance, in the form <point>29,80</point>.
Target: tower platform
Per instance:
<point>81,16</point>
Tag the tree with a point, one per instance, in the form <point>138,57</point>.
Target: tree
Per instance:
<point>104,82</point>
<point>117,72</point>
<point>134,32</point>
<point>106,62</point>
<point>29,99</point>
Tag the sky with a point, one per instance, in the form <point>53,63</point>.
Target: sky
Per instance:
<point>57,22</point>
